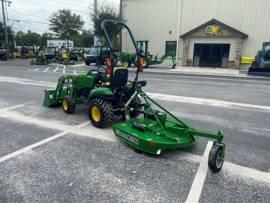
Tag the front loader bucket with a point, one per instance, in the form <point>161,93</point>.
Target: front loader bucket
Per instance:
<point>50,98</point>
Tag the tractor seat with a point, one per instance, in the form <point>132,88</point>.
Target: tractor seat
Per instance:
<point>120,78</point>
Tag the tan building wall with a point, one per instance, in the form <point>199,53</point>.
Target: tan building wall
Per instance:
<point>153,19</point>
<point>249,16</point>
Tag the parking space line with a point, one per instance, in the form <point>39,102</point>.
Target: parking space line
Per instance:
<point>107,135</point>
<point>46,69</point>
<point>11,108</point>
<point>97,133</point>
<point>205,101</point>
<point>159,96</point>
<point>42,142</point>
<point>26,81</point>
<point>56,69</point>
<point>237,170</point>
<point>37,69</point>
<point>197,185</point>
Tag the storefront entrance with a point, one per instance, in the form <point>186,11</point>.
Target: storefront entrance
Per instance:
<point>211,55</point>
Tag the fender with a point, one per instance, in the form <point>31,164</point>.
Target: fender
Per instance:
<point>103,92</point>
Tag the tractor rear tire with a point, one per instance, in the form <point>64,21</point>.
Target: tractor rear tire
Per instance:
<point>215,159</point>
<point>100,113</point>
<point>68,105</point>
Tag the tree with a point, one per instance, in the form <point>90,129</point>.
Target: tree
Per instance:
<point>29,38</point>
<point>10,35</point>
<point>85,39</point>
<point>66,24</point>
<point>107,12</point>
<point>44,38</point>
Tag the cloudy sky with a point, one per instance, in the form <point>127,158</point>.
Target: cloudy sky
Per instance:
<point>34,14</point>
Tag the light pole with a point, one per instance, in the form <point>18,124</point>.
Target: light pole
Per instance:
<point>5,26</point>
<point>96,36</point>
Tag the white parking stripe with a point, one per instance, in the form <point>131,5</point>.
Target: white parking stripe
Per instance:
<point>26,81</point>
<point>37,69</point>
<point>158,96</point>
<point>11,108</point>
<point>207,82</point>
<point>197,185</point>
<point>30,147</point>
<point>204,101</point>
<point>104,134</point>
<point>236,170</point>
<point>46,69</point>
<point>107,135</point>
<point>56,69</point>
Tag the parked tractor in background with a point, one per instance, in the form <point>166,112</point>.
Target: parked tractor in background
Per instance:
<point>64,57</point>
<point>127,59</point>
<point>28,51</point>
<point>52,55</point>
<point>261,65</point>
<point>3,54</point>
<point>76,54</point>
<point>97,55</point>
<point>46,55</point>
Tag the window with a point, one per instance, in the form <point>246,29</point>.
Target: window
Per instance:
<point>170,48</point>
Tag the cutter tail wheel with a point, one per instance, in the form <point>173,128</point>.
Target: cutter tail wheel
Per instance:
<point>100,113</point>
<point>68,105</point>
<point>216,158</point>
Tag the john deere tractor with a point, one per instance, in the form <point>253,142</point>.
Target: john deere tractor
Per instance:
<point>147,126</point>
<point>104,89</point>
<point>127,59</point>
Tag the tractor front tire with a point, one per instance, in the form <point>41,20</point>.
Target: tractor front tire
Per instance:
<point>216,158</point>
<point>100,113</point>
<point>68,105</point>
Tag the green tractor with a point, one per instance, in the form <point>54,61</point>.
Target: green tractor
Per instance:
<point>52,54</point>
<point>76,54</point>
<point>127,59</point>
<point>146,125</point>
<point>46,55</point>
<point>104,90</point>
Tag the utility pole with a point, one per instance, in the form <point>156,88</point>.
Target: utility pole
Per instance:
<point>95,7</point>
<point>96,36</point>
<point>5,26</point>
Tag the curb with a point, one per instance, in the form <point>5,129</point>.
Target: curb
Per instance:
<point>245,77</point>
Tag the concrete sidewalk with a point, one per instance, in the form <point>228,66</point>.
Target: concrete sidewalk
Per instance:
<point>205,71</point>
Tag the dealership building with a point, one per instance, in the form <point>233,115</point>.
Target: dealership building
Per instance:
<point>204,33</point>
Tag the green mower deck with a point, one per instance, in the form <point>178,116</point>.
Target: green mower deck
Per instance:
<point>145,135</point>
<point>155,130</point>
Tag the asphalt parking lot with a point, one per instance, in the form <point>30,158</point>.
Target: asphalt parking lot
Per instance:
<point>49,156</point>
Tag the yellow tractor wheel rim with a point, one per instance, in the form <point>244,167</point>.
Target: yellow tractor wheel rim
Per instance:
<point>65,105</point>
<point>125,64</point>
<point>95,112</point>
